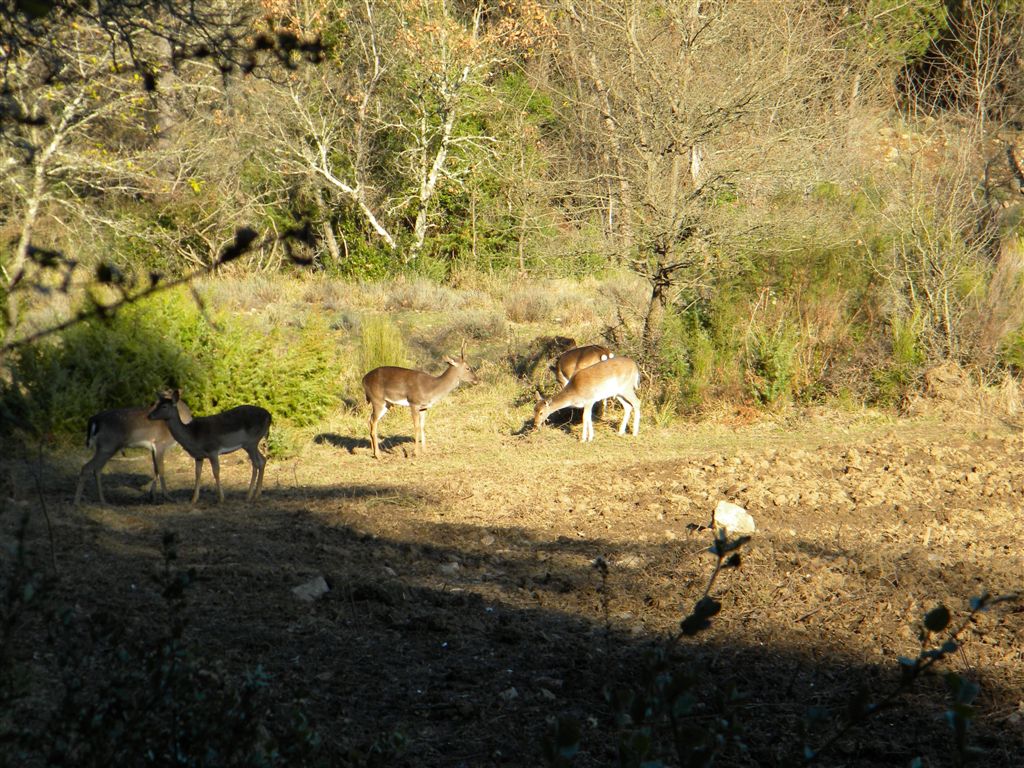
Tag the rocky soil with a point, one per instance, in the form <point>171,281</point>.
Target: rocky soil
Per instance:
<point>479,592</point>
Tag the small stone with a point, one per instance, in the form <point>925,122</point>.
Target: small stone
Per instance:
<point>732,518</point>
<point>311,590</point>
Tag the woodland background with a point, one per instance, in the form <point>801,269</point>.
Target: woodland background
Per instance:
<point>804,200</point>
<point>803,219</point>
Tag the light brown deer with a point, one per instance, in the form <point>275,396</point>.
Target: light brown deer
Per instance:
<point>116,430</point>
<point>207,437</point>
<point>390,385</point>
<point>576,359</point>
<point>617,377</point>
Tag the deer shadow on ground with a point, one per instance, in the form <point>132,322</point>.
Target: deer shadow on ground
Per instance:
<point>566,418</point>
<point>351,444</point>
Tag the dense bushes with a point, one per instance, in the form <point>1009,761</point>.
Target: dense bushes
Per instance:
<point>219,360</point>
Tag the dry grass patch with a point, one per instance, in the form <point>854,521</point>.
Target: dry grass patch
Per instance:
<point>479,325</point>
<point>533,304</point>
<point>627,291</point>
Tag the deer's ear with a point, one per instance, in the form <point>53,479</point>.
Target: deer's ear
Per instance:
<point>448,360</point>
<point>540,397</point>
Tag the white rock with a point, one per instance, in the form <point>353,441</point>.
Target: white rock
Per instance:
<point>733,518</point>
<point>450,569</point>
<point>311,590</point>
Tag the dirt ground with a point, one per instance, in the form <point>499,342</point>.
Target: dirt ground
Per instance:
<point>465,611</point>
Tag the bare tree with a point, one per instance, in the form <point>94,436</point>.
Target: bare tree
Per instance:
<point>392,118</point>
<point>59,155</point>
<point>679,108</point>
<point>81,108</point>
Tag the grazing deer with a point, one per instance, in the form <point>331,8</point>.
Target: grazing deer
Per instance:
<point>578,358</point>
<point>617,377</point>
<point>389,385</point>
<point>115,430</point>
<point>207,437</point>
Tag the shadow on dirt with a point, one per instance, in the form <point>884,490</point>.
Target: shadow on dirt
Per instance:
<point>350,444</point>
<point>120,486</point>
<point>563,420</point>
<point>467,640</point>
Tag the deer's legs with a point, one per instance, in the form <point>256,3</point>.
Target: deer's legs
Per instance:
<point>418,437</point>
<point>215,466</point>
<point>95,466</point>
<point>627,410</point>
<point>588,423</point>
<point>630,403</point>
<point>376,414</point>
<point>199,472</point>
<point>259,462</point>
<point>158,472</point>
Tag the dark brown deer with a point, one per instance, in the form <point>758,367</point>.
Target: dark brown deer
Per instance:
<point>207,437</point>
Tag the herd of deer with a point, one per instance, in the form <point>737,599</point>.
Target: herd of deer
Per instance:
<point>586,374</point>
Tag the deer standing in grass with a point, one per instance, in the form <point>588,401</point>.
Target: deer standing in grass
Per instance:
<point>617,377</point>
<point>390,385</point>
<point>578,358</point>
<point>116,430</point>
<point>207,437</point>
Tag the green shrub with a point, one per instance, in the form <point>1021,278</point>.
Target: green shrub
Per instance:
<point>98,364</point>
<point>769,363</point>
<point>901,374</point>
<point>291,374</point>
<point>164,341</point>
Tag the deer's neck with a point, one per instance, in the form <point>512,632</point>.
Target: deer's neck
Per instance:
<point>566,399</point>
<point>446,382</point>
<point>182,432</point>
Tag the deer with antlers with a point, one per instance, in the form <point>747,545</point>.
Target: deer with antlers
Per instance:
<point>390,385</point>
